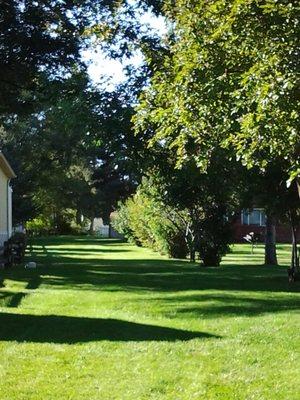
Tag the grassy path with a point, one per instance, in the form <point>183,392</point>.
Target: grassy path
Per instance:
<point>100,319</point>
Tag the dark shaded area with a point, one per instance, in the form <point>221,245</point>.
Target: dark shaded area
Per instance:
<point>92,240</point>
<point>34,282</point>
<point>226,305</point>
<point>141,274</point>
<point>5,298</point>
<point>62,329</point>
<point>16,298</point>
<point>84,251</point>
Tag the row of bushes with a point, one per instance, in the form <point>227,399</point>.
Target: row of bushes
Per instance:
<point>64,224</point>
<point>146,220</point>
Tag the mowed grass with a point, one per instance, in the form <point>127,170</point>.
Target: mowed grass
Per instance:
<point>101,319</point>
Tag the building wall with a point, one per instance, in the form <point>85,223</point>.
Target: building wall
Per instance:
<point>4,208</point>
<point>283,232</point>
<point>9,210</point>
<point>106,231</point>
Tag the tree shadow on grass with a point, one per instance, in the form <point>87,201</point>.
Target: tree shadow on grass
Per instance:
<point>101,242</point>
<point>167,275</point>
<point>163,275</point>
<point>85,270</point>
<point>222,305</point>
<point>11,299</point>
<point>5,298</point>
<point>64,329</point>
<point>65,240</point>
<point>72,250</point>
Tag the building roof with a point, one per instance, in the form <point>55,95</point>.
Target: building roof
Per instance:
<point>6,168</point>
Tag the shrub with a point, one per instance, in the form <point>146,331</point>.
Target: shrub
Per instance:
<point>121,223</point>
<point>214,236</point>
<point>145,220</point>
<point>177,246</point>
<point>39,226</point>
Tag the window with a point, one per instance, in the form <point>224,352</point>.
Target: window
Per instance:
<point>254,217</point>
<point>245,217</point>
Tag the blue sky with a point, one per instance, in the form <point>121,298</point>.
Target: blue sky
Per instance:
<point>100,66</point>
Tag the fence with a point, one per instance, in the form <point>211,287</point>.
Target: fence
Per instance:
<point>107,231</point>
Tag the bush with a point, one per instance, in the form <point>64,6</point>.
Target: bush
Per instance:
<point>39,226</point>
<point>177,246</point>
<point>145,220</point>
<point>215,236</point>
<point>63,223</point>
<point>121,223</point>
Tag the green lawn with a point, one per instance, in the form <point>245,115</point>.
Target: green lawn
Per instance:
<point>100,319</point>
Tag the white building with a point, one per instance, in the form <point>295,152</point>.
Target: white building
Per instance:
<point>6,174</point>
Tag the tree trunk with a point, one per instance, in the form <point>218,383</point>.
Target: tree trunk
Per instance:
<point>295,258</point>
<point>192,255</point>
<point>78,217</point>
<point>190,242</point>
<point>191,249</point>
<point>270,241</point>
<point>91,230</point>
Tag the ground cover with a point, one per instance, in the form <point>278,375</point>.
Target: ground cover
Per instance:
<point>101,319</point>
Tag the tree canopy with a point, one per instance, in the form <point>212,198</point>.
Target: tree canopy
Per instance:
<point>229,79</point>
<point>217,92</point>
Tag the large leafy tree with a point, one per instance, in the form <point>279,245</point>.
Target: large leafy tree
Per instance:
<point>43,145</point>
<point>230,79</point>
<point>114,153</point>
<point>209,200</point>
<point>76,151</point>
<point>45,37</point>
